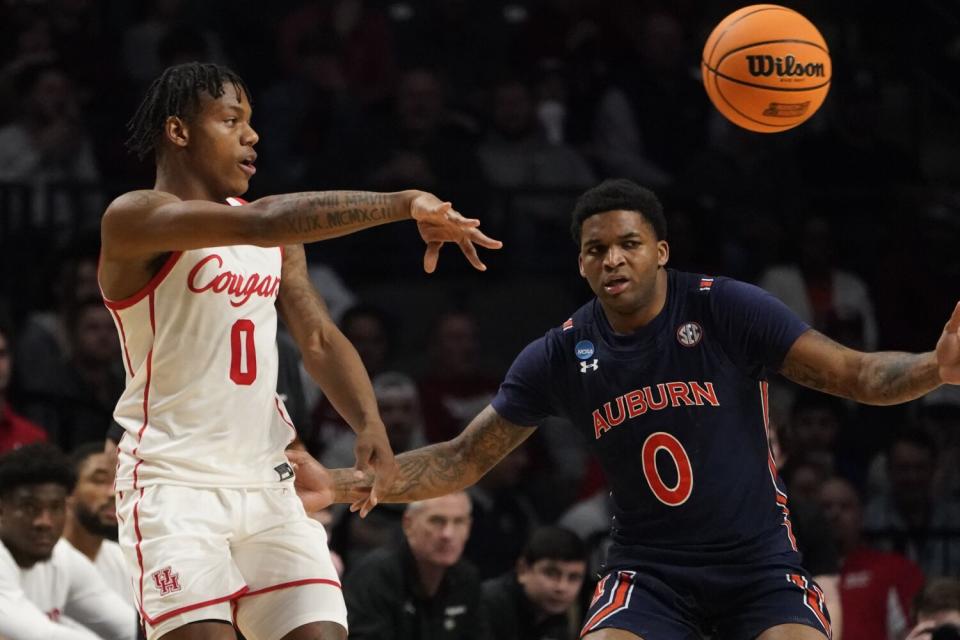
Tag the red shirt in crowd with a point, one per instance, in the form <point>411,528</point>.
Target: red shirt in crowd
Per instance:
<point>876,592</point>
<point>16,431</point>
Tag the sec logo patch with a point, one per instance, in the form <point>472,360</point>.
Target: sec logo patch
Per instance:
<point>689,334</point>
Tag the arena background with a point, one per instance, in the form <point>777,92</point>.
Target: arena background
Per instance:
<point>510,109</point>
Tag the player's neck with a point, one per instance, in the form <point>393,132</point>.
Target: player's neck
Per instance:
<point>173,177</point>
<point>627,323</point>
<point>82,540</point>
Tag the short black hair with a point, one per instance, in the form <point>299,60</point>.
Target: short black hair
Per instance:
<point>78,457</point>
<point>33,464</point>
<point>177,93</point>
<point>554,543</point>
<point>619,194</point>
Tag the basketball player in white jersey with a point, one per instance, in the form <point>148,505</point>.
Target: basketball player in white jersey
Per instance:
<point>211,527</point>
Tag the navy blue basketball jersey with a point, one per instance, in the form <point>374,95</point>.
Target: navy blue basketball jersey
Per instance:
<point>676,413</point>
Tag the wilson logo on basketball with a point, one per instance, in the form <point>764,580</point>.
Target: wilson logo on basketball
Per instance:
<point>786,67</point>
<point>240,288</point>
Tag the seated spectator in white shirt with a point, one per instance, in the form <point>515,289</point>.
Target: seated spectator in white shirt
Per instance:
<point>48,589</point>
<point>91,524</point>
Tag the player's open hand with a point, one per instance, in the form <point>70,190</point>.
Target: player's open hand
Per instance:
<point>374,455</point>
<point>948,349</point>
<point>438,223</point>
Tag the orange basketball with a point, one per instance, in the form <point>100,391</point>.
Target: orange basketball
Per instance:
<point>766,68</point>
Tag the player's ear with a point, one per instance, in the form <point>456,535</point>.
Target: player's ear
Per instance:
<point>176,131</point>
<point>580,264</point>
<point>663,253</point>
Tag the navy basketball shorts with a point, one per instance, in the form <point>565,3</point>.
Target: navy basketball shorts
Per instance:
<point>720,601</point>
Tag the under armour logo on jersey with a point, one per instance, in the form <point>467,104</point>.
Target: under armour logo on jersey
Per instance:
<point>589,366</point>
<point>166,581</point>
<point>689,334</point>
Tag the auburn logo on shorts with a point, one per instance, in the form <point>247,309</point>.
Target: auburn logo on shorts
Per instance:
<point>167,581</point>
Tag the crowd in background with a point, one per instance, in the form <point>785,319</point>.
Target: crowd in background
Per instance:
<point>509,109</point>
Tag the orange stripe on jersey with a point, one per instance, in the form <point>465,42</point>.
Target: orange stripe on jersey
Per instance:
<point>813,600</point>
<point>620,591</point>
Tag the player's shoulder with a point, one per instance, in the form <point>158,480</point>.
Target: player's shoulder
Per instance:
<point>583,319</point>
<point>139,200</point>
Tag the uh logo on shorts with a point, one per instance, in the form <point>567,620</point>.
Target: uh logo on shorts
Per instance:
<point>167,581</point>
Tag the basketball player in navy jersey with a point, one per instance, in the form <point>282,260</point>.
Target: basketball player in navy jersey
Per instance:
<point>194,278</point>
<point>665,374</point>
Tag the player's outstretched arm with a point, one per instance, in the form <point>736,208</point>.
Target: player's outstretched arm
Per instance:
<point>882,378</point>
<point>145,223</point>
<point>334,365</point>
<point>424,473</point>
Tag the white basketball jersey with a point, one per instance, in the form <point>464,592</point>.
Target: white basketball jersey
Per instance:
<point>199,345</point>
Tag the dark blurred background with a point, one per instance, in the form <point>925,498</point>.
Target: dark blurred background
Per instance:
<point>509,109</point>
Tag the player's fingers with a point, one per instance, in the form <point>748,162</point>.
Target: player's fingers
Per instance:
<point>471,253</point>
<point>953,324</point>
<point>297,457</point>
<point>480,238</point>
<point>431,256</point>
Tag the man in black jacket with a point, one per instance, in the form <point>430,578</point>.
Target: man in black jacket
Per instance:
<point>535,602</point>
<point>422,590</point>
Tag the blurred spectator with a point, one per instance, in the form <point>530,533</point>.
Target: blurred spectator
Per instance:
<point>817,424</point>
<point>44,343</point>
<point>937,611</point>
<point>75,402</point>
<point>653,123</point>
<point>465,40</point>
<point>373,334</point>
<point>938,417</point>
<point>48,143</point>
<point>15,430</point>
<point>909,519</point>
<point>356,34</point>
<point>803,476</point>
<point>876,588</point>
<point>503,516</point>
<point>399,406</point>
<point>48,589</point>
<point>535,601</point>
<point>831,300</point>
<point>516,154</point>
<point>421,144</point>
<point>141,52</point>
<point>91,523</point>
<point>590,519</point>
<point>421,590</point>
<point>855,148</point>
<point>308,118</point>
<point>454,389</point>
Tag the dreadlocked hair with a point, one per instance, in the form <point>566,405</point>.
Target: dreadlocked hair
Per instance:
<point>177,93</point>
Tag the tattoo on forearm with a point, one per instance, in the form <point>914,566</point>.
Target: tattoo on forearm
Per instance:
<point>882,378</point>
<point>450,466</point>
<point>318,214</point>
<point>892,377</point>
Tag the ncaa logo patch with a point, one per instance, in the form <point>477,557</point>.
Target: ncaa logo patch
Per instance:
<point>689,334</point>
<point>584,350</point>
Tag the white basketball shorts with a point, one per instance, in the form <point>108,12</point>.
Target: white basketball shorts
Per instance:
<point>250,557</point>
